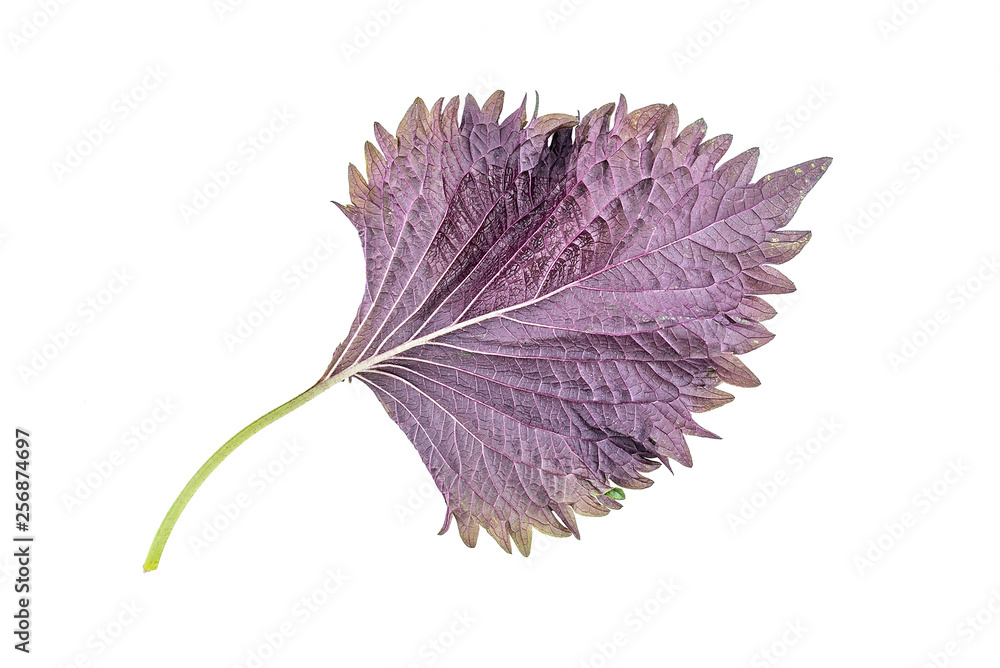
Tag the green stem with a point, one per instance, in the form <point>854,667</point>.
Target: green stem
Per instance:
<point>156,549</point>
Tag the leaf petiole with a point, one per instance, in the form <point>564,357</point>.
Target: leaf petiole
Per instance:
<point>163,533</point>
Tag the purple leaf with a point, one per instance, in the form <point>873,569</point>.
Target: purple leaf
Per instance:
<point>548,300</point>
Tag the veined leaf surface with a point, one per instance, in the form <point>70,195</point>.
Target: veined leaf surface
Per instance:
<point>549,299</point>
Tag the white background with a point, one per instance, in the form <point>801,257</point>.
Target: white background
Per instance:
<point>817,571</point>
